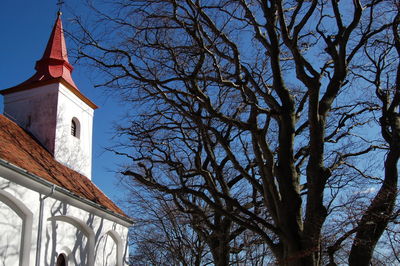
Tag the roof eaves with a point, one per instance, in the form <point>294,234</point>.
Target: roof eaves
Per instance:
<point>63,190</point>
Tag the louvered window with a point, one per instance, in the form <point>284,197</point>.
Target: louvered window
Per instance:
<point>73,128</point>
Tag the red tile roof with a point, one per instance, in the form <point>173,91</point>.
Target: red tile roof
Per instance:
<point>21,149</point>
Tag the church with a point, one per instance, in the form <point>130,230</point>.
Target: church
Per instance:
<point>51,213</point>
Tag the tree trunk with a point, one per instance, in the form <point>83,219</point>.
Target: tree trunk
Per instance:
<point>376,218</point>
<point>220,250</point>
<point>296,255</point>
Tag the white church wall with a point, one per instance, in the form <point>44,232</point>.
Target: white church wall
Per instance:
<point>15,197</point>
<point>85,234</point>
<point>10,238</point>
<point>75,152</point>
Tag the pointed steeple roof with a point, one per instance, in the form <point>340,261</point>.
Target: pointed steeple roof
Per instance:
<point>54,62</point>
<point>53,67</point>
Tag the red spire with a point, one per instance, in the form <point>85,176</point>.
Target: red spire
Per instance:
<point>53,67</point>
<point>54,62</point>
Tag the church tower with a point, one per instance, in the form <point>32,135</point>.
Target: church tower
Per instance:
<point>52,109</point>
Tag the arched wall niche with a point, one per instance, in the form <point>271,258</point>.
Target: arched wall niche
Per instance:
<point>26,231</point>
<point>118,240</point>
<point>109,252</point>
<point>85,229</point>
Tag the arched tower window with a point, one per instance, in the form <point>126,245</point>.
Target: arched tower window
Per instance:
<point>61,260</point>
<point>75,127</point>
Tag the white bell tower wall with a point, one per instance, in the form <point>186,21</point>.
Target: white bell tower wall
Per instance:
<point>60,120</point>
<point>74,130</point>
<point>35,111</point>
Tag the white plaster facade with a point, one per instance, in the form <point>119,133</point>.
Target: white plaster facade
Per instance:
<point>47,112</point>
<point>86,233</point>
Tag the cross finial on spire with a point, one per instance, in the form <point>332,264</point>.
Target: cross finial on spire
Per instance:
<point>59,3</point>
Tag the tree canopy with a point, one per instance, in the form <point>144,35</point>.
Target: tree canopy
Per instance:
<point>279,118</point>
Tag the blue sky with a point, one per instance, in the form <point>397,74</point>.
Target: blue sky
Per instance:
<point>25,26</point>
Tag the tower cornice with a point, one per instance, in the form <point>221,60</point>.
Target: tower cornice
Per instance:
<point>28,86</point>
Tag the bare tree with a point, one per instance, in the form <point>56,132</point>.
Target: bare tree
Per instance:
<point>166,231</point>
<point>257,109</point>
<point>162,235</point>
